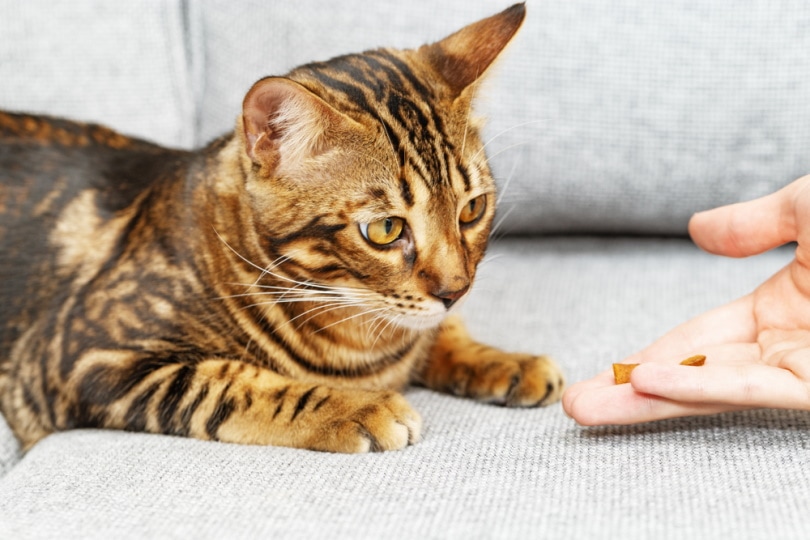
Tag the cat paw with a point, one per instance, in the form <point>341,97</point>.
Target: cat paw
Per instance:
<point>461,366</point>
<point>365,421</point>
<point>513,380</point>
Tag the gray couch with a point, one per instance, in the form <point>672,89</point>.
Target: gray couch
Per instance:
<point>611,123</point>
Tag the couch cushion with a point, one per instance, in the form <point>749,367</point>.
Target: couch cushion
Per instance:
<point>9,448</point>
<point>481,471</point>
<point>621,116</point>
<point>627,116</point>
<point>119,63</point>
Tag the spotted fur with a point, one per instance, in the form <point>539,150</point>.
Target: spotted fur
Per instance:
<point>230,293</point>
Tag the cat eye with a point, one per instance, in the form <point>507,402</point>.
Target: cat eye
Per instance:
<point>473,210</point>
<point>384,231</point>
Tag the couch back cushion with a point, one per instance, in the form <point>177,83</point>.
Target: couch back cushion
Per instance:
<point>119,63</point>
<point>605,117</point>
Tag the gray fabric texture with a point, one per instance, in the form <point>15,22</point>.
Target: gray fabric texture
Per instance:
<point>123,64</point>
<point>621,116</point>
<point>9,448</point>
<point>481,471</point>
<point>624,116</point>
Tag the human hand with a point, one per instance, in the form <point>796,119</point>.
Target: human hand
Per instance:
<point>757,347</point>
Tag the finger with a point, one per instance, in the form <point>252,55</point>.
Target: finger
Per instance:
<point>750,386</point>
<point>572,393</point>
<point>749,228</point>
<point>731,323</point>
<point>597,400</point>
<point>621,404</point>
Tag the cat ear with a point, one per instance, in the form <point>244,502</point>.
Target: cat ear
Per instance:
<point>285,122</point>
<point>463,57</point>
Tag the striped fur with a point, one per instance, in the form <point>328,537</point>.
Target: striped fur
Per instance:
<point>235,293</point>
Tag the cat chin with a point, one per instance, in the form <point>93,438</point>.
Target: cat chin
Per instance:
<point>430,321</point>
<point>424,322</point>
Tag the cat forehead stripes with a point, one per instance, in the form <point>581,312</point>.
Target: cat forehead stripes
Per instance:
<point>418,99</point>
<point>380,85</point>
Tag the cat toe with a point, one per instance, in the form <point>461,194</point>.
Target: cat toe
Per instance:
<point>541,383</point>
<point>390,426</point>
<point>512,380</point>
<point>373,422</point>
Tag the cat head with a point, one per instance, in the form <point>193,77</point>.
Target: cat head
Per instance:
<point>367,173</point>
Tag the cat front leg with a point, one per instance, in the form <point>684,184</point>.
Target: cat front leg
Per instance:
<point>233,401</point>
<point>461,366</point>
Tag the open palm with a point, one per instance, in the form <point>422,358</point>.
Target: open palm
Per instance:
<point>757,347</point>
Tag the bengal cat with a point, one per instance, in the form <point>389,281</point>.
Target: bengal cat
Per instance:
<point>278,286</point>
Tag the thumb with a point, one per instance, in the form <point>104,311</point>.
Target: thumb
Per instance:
<point>749,228</point>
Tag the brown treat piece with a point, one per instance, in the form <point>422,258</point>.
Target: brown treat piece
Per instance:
<point>621,372</point>
<point>697,360</point>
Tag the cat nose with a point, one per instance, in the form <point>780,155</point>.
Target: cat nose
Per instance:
<point>449,298</point>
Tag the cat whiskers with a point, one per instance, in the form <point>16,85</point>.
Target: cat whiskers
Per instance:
<point>496,227</point>
<point>502,193</point>
<point>505,187</point>
<point>382,318</point>
<point>500,134</point>
<point>269,271</point>
<point>490,258</point>
<point>384,323</point>
<point>350,317</point>
<point>326,297</point>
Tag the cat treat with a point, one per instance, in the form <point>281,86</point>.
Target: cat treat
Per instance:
<point>621,372</point>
